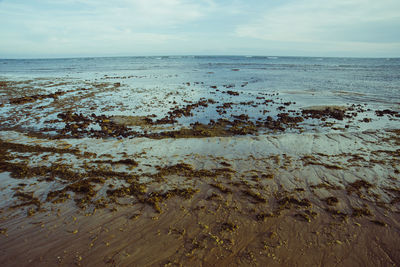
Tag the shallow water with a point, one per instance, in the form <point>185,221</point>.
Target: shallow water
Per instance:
<point>329,79</point>
<point>155,86</point>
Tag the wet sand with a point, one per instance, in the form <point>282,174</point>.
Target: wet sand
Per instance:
<point>332,199</point>
<point>233,192</point>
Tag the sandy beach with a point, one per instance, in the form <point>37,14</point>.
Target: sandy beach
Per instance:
<point>332,199</point>
<point>233,177</point>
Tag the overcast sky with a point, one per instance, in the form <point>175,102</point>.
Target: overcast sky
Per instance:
<point>69,28</point>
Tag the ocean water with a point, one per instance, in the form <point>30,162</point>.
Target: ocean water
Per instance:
<point>336,79</point>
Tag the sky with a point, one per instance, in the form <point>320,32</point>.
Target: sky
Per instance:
<point>79,28</point>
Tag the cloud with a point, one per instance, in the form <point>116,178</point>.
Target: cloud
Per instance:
<point>131,27</point>
<point>70,26</point>
<point>329,21</point>
<point>148,13</point>
<point>116,13</point>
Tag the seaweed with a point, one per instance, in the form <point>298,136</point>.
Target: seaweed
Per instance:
<point>357,186</point>
<point>221,188</point>
<point>331,201</point>
<point>255,195</point>
<point>334,113</point>
<point>27,200</point>
<point>287,202</point>
<point>33,98</point>
<point>380,223</point>
<point>262,216</point>
<point>360,212</point>
<point>229,227</point>
<point>337,214</point>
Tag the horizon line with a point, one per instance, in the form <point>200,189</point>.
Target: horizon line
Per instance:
<point>211,55</point>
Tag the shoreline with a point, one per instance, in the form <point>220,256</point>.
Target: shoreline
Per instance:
<point>118,172</point>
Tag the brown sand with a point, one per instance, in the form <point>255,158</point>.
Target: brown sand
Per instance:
<point>301,207</point>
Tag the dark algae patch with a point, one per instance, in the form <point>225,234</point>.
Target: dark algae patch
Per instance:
<point>33,98</point>
<point>358,186</point>
<point>331,201</point>
<point>323,114</point>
